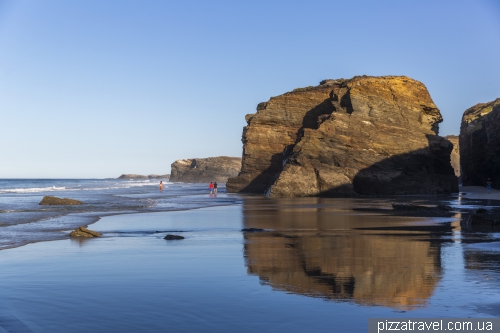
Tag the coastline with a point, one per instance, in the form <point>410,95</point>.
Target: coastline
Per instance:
<point>478,192</point>
<point>24,221</point>
<point>290,277</point>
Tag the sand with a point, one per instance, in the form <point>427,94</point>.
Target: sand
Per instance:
<point>219,279</point>
<point>479,192</point>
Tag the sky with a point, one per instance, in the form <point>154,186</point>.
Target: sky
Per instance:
<point>95,89</point>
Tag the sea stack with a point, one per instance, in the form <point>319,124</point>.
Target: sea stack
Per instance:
<point>362,136</point>
<point>203,170</point>
<point>480,144</point>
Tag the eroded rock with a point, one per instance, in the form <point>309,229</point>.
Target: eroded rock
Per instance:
<point>50,200</point>
<point>366,135</point>
<point>480,144</point>
<point>204,170</point>
<point>84,232</point>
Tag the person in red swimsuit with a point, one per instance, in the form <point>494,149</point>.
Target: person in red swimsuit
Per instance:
<point>211,187</point>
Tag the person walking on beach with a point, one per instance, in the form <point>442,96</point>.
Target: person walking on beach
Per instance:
<point>488,184</point>
<point>161,185</point>
<point>215,188</point>
<point>211,187</point>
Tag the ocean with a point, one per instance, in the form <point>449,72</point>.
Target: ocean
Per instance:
<point>23,220</point>
<point>246,263</point>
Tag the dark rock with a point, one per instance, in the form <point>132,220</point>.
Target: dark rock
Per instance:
<point>84,232</point>
<point>204,170</point>
<point>480,144</point>
<point>363,136</point>
<point>172,237</point>
<point>483,219</point>
<point>252,230</point>
<point>50,200</point>
<point>481,211</point>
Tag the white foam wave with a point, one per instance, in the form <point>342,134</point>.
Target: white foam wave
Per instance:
<point>32,189</point>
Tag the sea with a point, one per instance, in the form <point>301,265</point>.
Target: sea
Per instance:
<point>23,220</point>
<point>246,263</point>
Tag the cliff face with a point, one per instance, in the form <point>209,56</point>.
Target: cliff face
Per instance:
<point>480,144</point>
<point>366,135</point>
<point>204,170</point>
<point>455,153</point>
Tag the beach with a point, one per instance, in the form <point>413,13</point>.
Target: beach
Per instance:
<point>317,265</point>
<point>479,192</point>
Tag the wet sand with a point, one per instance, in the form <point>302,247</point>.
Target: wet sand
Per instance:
<point>318,266</point>
<point>479,192</point>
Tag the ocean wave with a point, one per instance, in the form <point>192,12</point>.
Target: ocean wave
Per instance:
<point>32,189</point>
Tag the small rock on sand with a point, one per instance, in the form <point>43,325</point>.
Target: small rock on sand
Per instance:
<point>172,237</point>
<point>84,232</point>
<point>50,200</point>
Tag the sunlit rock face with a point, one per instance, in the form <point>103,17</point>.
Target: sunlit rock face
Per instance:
<point>204,170</point>
<point>455,153</point>
<point>366,135</point>
<point>480,144</point>
<point>311,252</point>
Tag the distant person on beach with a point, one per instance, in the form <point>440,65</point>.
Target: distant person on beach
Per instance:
<point>211,187</point>
<point>161,185</point>
<point>215,188</point>
<point>488,184</point>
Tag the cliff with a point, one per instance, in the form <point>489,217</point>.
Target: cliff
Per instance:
<point>480,144</point>
<point>134,176</point>
<point>455,153</point>
<point>204,170</point>
<point>366,135</point>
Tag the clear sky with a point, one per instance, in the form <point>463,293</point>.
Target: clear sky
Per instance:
<point>94,89</point>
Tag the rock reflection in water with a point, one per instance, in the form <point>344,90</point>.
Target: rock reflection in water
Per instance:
<point>317,249</point>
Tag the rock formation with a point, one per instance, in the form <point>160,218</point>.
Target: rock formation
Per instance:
<point>480,144</point>
<point>84,232</point>
<point>366,135</point>
<point>50,200</point>
<point>455,153</point>
<point>134,176</point>
<point>203,170</point>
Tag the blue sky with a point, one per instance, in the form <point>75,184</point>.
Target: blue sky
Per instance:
<point>100,88</point>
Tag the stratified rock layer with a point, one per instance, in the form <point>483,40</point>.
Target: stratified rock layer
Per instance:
<point>455,153</point>
<point>480,144</point>
<point>366,135</point>
<point>203,170</point>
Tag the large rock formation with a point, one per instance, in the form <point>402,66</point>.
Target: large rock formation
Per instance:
<point>203,170</point>
<point>132,176</point>
<point>455,153</point>
<point>366,135</point>
<point>480,144</point>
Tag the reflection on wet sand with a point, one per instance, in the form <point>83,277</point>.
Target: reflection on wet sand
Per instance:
<point>319,248</point>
